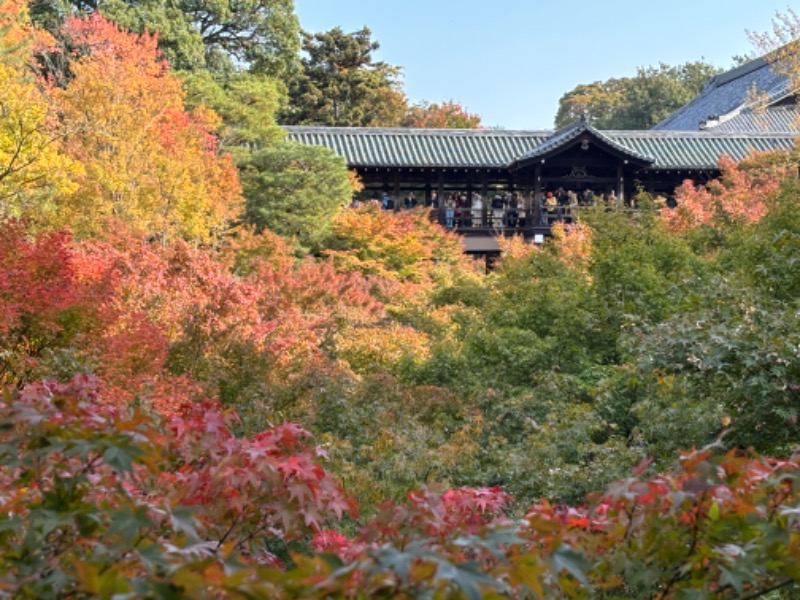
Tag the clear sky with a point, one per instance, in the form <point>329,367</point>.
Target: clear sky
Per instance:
<point>511,60</point>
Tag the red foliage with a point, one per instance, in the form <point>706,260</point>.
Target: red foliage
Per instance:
<point>157,321</point>
<point>35,278</point>
<point>271,480</point>
<point>240,490</point>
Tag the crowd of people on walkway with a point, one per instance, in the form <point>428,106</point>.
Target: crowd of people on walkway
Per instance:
<point>504,210</point>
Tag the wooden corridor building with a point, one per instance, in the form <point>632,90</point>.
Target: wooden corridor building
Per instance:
<point>526,166</point>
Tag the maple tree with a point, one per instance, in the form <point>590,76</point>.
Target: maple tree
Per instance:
<point>739,195</point>
<point>151,384</point>
<point>147,161</point>
<point>447,115</point>
<point>119,503</point>
<point>403,246</point>
<point>32,166</point>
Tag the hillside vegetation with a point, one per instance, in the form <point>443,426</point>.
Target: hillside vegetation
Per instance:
<point>202,399</point>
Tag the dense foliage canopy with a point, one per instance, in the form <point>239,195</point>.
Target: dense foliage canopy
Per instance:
<point>637,102</point>
<point>194,407</point>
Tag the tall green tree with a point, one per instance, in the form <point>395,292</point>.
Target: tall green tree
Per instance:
<point>262,35</point>
<point>247,104</point>
<point>342,84</point>
<point>637,102</point>
<point>295,191</point>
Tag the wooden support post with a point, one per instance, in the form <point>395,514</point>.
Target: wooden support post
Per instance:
<point>536,208</point>
<point>485,193</point>
<point>396,192</point>
<point>440,194</point>
<point>428,188</point>
<point>620,186</point>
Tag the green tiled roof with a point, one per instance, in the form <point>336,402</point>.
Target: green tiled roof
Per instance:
<point>697,149</point>
<point>388,147</point>
<point>774,118</point>
<point>566,136</point>
<point>382,147</point>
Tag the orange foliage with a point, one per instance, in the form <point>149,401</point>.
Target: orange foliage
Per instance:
<point>18,35</point>
<point>515,247</point>
<point>401,252</point>
<point>738,196</point>
<point>447,115</point>
<point>160,297</point>
<point>166,323</point>
<point>148,162</point>
<point>574,244</point>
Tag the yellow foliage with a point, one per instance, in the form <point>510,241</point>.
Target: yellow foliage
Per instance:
<point>367,349</point>
<point>32,168</point>
<point>355,181</point>
<point>147,161</point>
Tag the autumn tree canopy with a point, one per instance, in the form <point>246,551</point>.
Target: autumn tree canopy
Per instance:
<point>146,160</point>
<point>611,414</point>
<point>33,167</point>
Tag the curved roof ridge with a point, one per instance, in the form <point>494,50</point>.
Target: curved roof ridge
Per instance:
<point>572,131</point>
<point>735,73</point>
<point>415,131</point>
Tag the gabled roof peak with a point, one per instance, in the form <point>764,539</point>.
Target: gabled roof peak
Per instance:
<point>568,136</point>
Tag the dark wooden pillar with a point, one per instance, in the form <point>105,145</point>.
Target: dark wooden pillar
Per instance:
<point>536,208</point>
<point>440,194</point>
<point>485,194</point>
<point>396,191</point>
<point>427,190</point>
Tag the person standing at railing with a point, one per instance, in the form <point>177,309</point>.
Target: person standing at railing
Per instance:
<point>449,211</point>
<point>477,210</point>
<point>497,210</point>
<point>463,214</point>
<point>551,204</point>
<point>513,210</point>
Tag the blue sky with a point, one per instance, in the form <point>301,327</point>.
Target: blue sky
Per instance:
<point>511,60</point>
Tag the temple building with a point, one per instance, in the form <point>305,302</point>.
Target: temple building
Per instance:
<point>486,182</point>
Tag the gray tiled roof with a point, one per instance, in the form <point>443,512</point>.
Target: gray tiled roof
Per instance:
<point>726,93</point>
<point>379,147</point>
